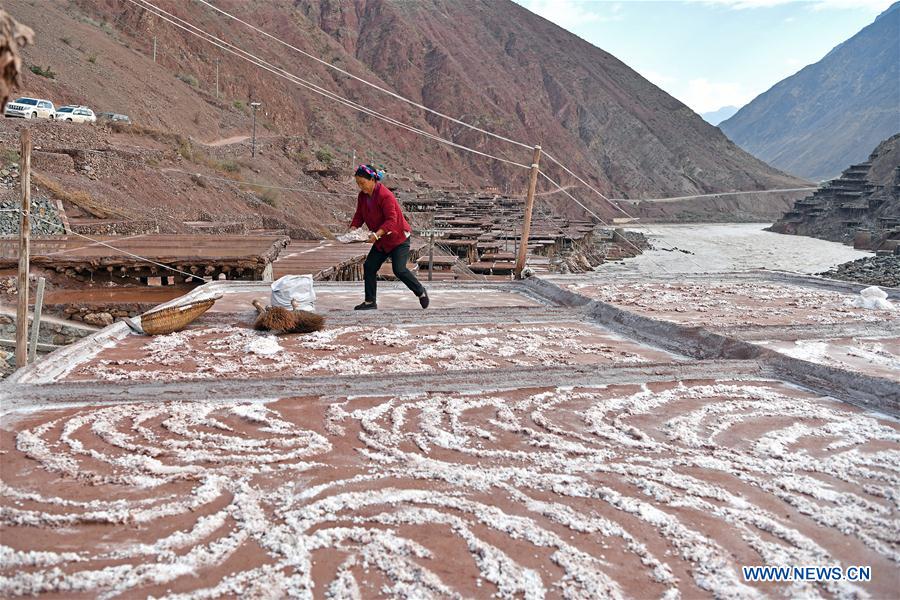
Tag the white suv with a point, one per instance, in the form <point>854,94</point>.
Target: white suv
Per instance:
<point>76,114</point>
<point>30,108</point>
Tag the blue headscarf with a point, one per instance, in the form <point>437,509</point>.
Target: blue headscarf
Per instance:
<point>369,172</point>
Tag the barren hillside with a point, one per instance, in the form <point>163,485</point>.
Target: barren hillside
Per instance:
<point>492,64</point>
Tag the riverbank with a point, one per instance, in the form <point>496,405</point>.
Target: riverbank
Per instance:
<point>872,270</point>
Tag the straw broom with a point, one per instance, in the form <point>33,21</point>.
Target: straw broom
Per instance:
<point>275,318</point>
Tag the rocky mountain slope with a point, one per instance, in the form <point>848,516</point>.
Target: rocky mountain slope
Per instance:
<point>831,113</point>
<point>861,206</point>
<point>492,64</point>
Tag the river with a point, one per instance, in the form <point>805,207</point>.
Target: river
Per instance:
<point>723,247</point>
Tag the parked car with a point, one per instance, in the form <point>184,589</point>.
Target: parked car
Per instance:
<point>30,108</point>
<point>75,114</point>
<point>110,116</point>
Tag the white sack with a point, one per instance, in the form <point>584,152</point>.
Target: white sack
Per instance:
<point>294,287</point>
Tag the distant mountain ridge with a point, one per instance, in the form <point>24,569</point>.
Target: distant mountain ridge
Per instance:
<point>831,113</point>
<point>717,116</point>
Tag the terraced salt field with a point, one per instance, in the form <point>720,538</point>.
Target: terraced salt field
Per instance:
<point>631,491</point>
<point>525,443</point>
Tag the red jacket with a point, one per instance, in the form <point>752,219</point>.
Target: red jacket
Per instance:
<point>381,211</point>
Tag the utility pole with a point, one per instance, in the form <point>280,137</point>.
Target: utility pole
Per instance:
<point>24,251</point>
<point>154,48</point>
<point>431,248</point>
<point>254,106</point>
<point>529,207</point>
<point>217,79</point>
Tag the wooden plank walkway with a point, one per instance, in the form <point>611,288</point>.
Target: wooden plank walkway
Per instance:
<point>238,256</point>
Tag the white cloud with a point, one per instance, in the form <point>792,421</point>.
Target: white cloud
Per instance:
<point>703,95</point>
<point>700,94</point>
<point>656,78</point>
<point>875,5</point>
<point>570,14</point>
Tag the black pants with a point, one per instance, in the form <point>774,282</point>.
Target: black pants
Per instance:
<point>399,257</point>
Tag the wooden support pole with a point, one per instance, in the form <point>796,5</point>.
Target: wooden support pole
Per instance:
<point>24,250</point>
<point>431,248</point>
<point>36,321</point>
<point>529,207</point>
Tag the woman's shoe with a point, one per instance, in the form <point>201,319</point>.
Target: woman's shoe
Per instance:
<point>423,299</point>
<point>366,306</point>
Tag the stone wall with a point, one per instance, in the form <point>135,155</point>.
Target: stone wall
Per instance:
<point>51,332</point>
<point>117,227</point>
<point>49,221</point>
<point>52,162</point>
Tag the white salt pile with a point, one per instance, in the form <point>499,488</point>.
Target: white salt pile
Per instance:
<point>360,234</point>
<point>872,298</point>
<point>264,346</point>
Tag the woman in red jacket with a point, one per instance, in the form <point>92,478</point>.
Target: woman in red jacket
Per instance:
<point>377,207</point>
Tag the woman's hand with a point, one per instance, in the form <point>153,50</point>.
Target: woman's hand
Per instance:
<point>372,238</point>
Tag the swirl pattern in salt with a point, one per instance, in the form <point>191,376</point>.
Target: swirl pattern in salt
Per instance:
<point>626,491</point>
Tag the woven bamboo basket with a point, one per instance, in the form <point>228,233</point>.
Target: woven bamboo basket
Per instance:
<point>175,318</point>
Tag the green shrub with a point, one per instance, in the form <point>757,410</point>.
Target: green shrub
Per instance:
<point>188,79</point>
<point>238,104</point>
<point>92,59</point>
<point>48,72</point>
<point>267,196</point>
<point>229,166</point>
<point>8,155</point>
<point>185,151</point>
<point>324,156</point>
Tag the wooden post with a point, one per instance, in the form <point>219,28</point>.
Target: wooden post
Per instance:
<point>36,320</point>
<point>24,251</point>
<point>529,207</point>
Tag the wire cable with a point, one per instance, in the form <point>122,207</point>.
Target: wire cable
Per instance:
<point>125,252</point>
<point>673,198</point>
<point>364,81</point>
<point>278,71</point>
<point>599,218</point>
<point>153,9</point>
<point>259,62</point>
<point>587,185</point>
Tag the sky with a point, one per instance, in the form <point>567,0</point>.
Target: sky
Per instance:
<point>713,53</point>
